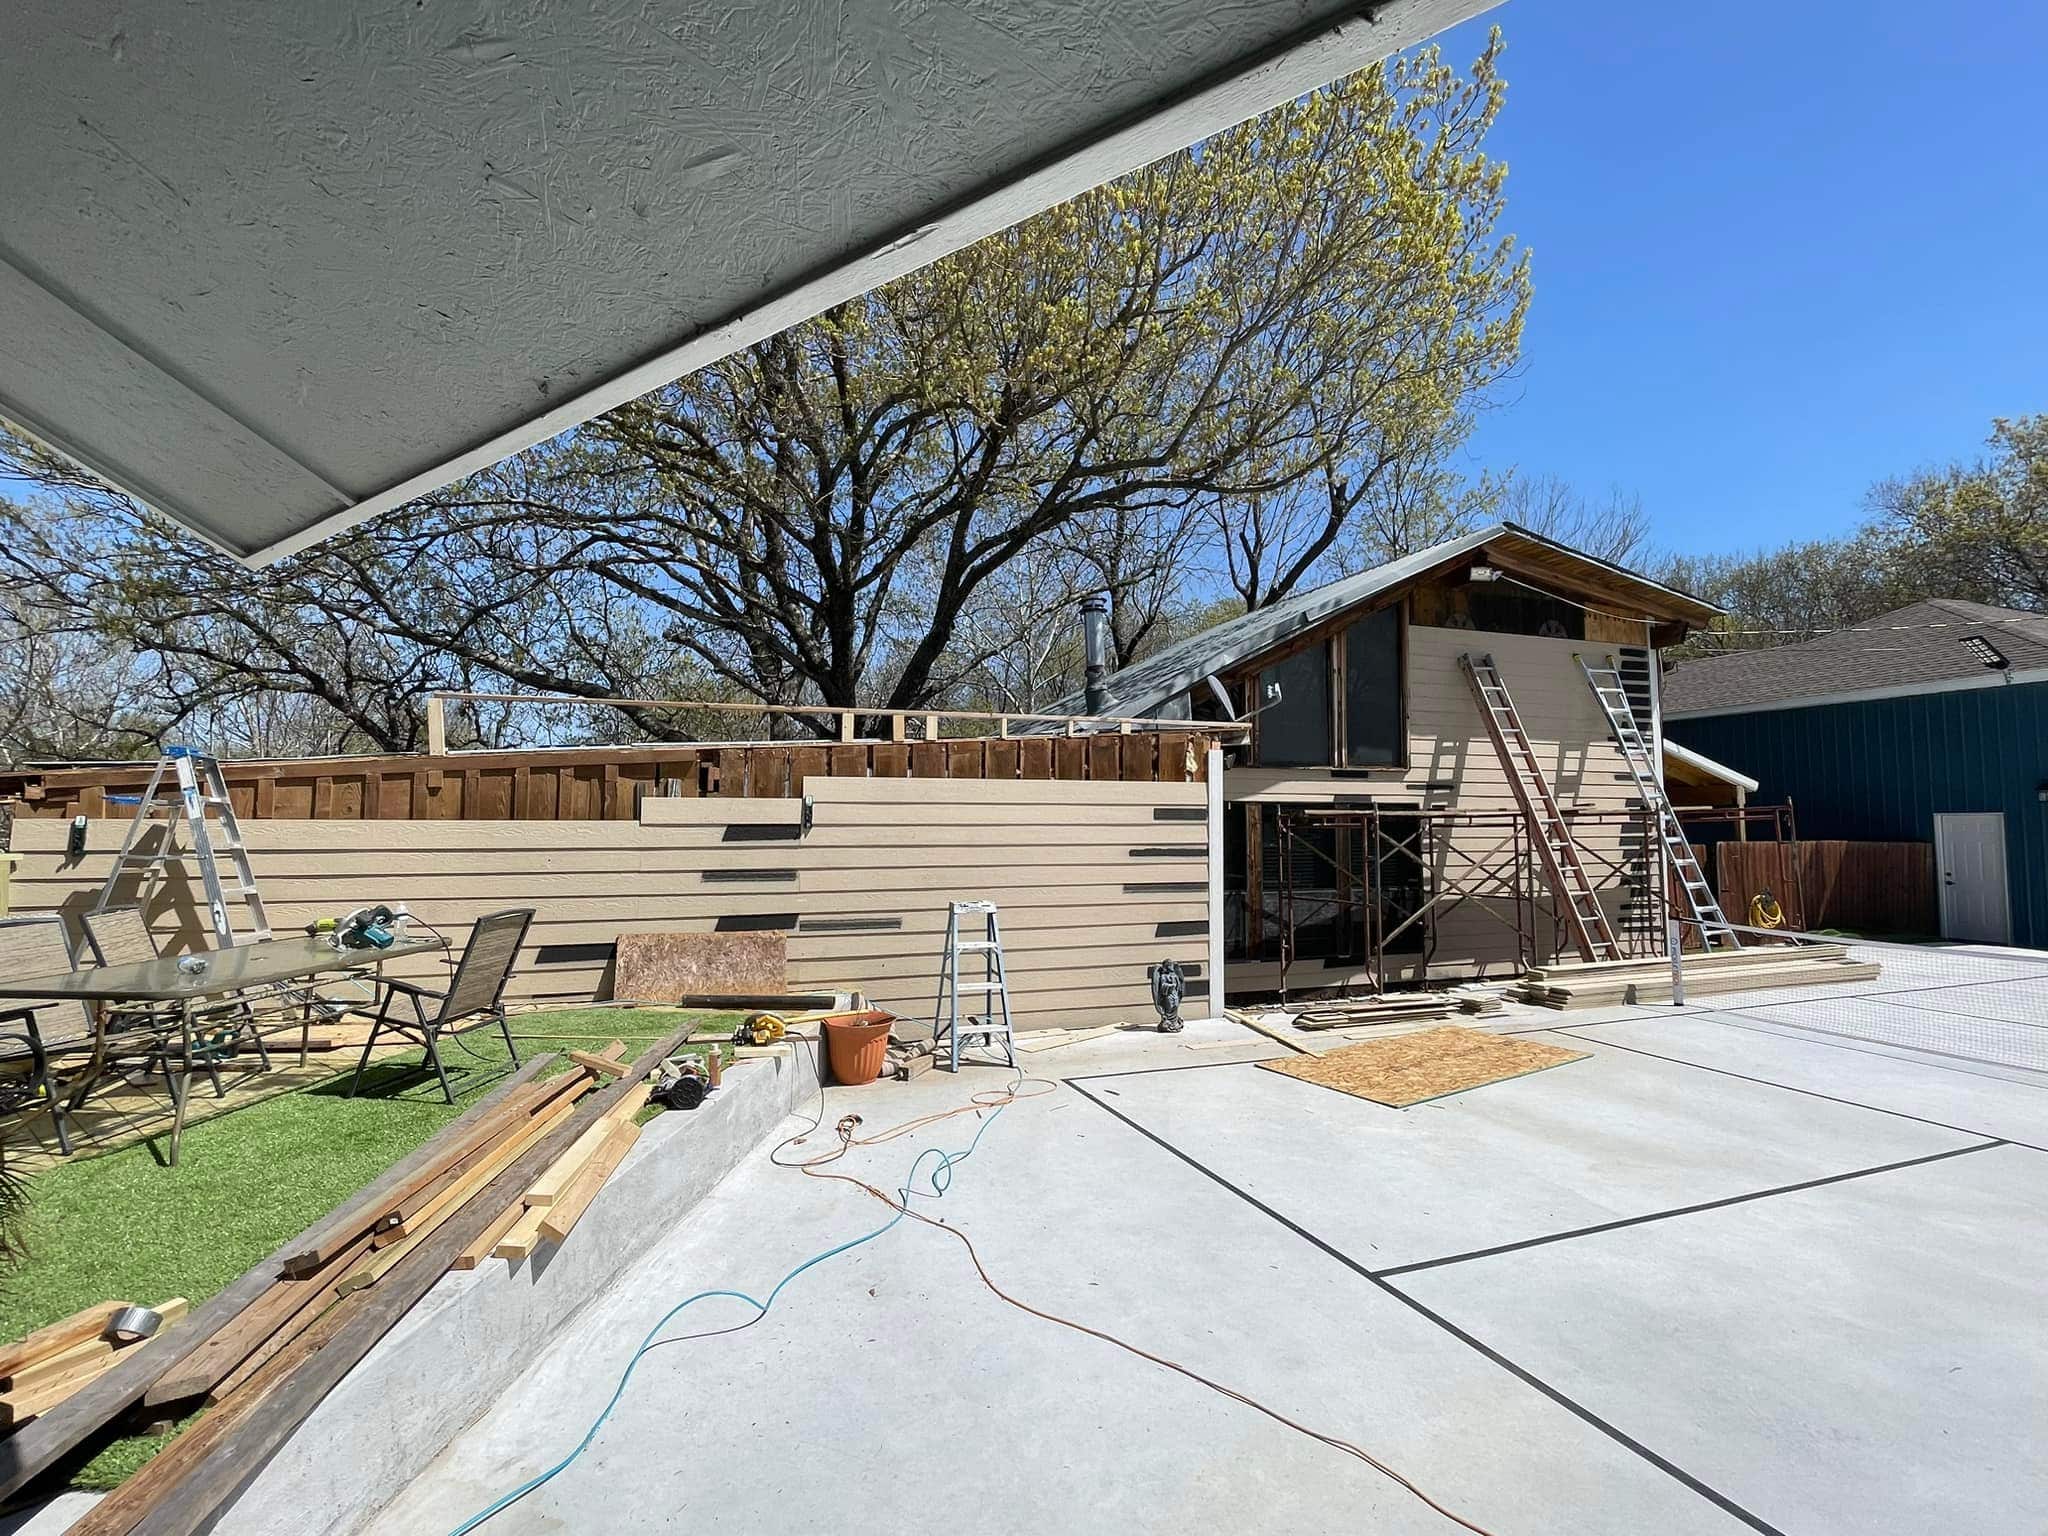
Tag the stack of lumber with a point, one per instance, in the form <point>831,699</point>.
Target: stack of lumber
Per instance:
<point>1393,1008</point>
<point>1606,983</point>
<point>41,1371</point>
<point>269,1347</point>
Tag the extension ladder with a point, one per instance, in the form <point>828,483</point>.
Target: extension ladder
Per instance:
<point>1608,688</point>
<point>947,1023</point>
<point>200,788</point>
<point>1577,901</point>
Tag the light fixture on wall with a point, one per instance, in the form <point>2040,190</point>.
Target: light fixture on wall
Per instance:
<point>2041,791</point>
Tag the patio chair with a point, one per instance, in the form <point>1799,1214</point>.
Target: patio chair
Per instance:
<point>37,946</point>
<point>476,993</point>
<point>121,936</point>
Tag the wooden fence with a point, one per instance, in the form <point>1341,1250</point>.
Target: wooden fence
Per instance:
<point>1868,887</point>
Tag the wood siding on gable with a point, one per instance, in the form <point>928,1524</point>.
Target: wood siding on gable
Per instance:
<point>1452,765</point>
<point>1092,884</point>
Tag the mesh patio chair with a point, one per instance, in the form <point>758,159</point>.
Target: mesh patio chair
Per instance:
<point>121,936</point>
<point>38,946</point>
<point>476,993</point>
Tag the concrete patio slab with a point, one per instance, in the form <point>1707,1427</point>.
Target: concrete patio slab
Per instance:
<point>890,1391</point>
<point>1721,1352</point>
<point>1869,1356</point>
<point>1594,1141</point>
<point>1979,1097</point>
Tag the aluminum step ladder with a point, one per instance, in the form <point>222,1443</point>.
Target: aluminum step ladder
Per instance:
<point>1577,901</point>
<point>949,1026</point>
<point>200,788</point>
<point>1608,687</point>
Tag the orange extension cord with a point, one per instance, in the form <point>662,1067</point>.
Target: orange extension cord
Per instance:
<point>999,1099</point>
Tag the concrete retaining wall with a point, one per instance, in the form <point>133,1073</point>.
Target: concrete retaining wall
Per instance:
<point>469,1337</point>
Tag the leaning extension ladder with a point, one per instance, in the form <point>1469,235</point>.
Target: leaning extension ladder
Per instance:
<point>948,1025</point>
<point>1609,689</point>
<point>1576,899</point>
<point>200,787</point>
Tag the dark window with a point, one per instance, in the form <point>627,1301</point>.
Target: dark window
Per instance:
<point>1295,731</point>
<point>1236,882</point>
<point>1372,691</point>
<point>1510,610</point>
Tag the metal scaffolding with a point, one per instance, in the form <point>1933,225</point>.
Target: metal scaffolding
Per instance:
<point>1500,878</point>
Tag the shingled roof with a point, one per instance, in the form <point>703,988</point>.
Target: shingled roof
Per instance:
<point>1916,646</point>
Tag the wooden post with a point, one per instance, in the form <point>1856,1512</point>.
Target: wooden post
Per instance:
<point>846,723</point>
<point>437,726</point>
<point>897,723</point>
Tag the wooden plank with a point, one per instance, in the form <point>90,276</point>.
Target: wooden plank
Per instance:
<point>256,1333</point>
<point>601,1065</point>
<point>560,1218</point>
<point>200,1486</point>
<point>487,1242</point>
<point>1105,757</point>
<point>54,1338</point>
<point>37,1447</point>
<point>1070,758</point>
<point>523,1236</point>
<point>473,1178</point>
<point>548,1188</point>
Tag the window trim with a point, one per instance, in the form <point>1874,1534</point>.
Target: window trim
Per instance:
<point>1330,636</point>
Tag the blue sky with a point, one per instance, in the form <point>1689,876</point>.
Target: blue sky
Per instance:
<point>1779,253</point>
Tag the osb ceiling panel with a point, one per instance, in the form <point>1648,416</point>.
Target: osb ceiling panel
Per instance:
<point>277,267</point>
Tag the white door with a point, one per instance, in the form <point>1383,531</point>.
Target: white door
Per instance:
<point>1969,852</point>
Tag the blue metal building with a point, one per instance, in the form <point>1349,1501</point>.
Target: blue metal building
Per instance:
<point>1929,724</point>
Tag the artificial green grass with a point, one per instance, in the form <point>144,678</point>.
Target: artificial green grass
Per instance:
<point>121,1226</point>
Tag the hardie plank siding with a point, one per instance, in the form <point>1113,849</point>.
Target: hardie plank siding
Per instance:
<point>1077,869</point>
<point>1452,765</point>
<point>1882,769</point>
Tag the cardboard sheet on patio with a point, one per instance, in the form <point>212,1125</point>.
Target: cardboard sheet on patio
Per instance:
<point>1413,1069</point>
<point>661,967</point>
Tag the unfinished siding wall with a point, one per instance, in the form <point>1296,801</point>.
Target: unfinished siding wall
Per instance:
<point>1095,879</point>
<point>1452,765</point>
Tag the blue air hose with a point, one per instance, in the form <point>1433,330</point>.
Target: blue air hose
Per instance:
<point>941,1180</point>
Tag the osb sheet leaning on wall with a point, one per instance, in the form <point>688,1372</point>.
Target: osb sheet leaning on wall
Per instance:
<point>661,967</point>
<point>1413,1069</point>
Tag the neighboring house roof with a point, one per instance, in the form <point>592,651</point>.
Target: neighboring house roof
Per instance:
<point>1705,766</point>
<point>1916,649</point>
<point>1143,687</point>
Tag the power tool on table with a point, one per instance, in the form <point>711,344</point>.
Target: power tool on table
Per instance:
<point>375,927</point>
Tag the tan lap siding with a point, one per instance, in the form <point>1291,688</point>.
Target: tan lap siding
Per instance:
<point>1067,863</point>
<point>1452,764</point>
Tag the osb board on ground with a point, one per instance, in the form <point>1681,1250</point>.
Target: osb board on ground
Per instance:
<point>660,967</point>
<point>1413,1069</point>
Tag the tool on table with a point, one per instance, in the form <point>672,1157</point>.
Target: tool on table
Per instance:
<point>1169,991</point>
<point>375,927</point>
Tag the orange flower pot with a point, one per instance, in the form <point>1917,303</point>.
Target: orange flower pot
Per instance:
<point>857,1045</point>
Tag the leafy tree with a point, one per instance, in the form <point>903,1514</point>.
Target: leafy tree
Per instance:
<point>1975,530</point>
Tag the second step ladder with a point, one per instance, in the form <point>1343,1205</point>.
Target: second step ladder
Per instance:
<point>972,929</point>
